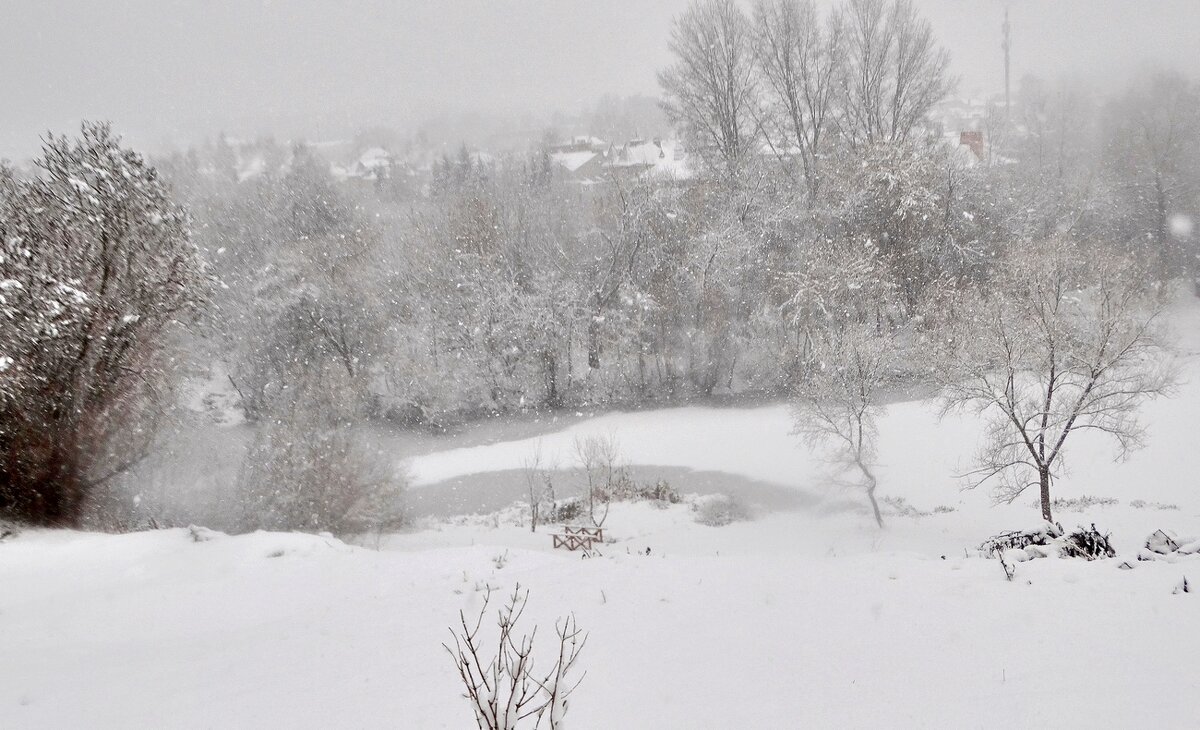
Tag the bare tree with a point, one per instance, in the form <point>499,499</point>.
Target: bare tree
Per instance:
<point>503,690</point>
<point>531,469</point>
<point>1057,343</point>
<point>837,407</point>
<point>894,72</point>
<point>710,88</point>
<point>798,58</point>
<point>599,458</point>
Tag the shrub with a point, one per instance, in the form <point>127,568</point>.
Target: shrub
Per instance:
<point>567,511</point>
<point>1087,543</point>
<point>663,492</point>
<point>1021,539</point>
<point>718,510</point>
<point>625,488</point>
<point>309,473</point>
<point>1078,504</point>
<point>1143,504</point>
<point>901,507</point>
<point>504,690</point>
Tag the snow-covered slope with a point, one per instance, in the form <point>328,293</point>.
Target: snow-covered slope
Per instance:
<point>740,626</point>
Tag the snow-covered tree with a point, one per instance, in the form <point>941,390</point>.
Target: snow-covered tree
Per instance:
<point>96,272</point>
<point>1059,341</point>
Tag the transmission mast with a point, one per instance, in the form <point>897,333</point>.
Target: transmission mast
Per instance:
<point>1007,35</point>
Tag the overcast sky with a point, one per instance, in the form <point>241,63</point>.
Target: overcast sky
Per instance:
<point>175,71</point>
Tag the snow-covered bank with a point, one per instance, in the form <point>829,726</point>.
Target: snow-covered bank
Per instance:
<point>788,621</point>
<point>920,454</point>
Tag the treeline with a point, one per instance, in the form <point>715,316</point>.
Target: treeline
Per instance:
<point>822,191</point>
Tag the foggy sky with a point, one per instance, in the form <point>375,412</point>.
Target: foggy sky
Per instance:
<point>176,71</point>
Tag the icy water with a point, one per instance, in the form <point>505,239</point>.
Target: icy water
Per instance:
<point>490,491</point>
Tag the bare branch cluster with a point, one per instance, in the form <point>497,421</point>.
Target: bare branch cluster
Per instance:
<point>786,80</point>
<point>599,458</point>
<point>504,688</point>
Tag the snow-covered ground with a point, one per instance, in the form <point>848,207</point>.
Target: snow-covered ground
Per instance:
<point>786,621</point>
<point>808,617</point>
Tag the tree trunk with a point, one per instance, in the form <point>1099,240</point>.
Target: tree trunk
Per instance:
<point>550,373</point>
<point>1164,251</point>
<point>872,482</point>
<point>594,343</point>
<point>1044,478</point>
<point>874,505</point>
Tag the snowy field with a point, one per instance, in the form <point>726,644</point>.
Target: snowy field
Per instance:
<point>801,617</point>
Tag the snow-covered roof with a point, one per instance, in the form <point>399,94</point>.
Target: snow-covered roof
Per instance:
<point>375,157</point>
<point>251,167</point>
<point>580,143</point>
<point>572,161</point>
<point>962,154</point>
<point>663,157</point>
<point>588,139</point>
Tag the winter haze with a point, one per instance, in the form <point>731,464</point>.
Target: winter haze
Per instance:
<point>170,72</point>
<point>698,364</point>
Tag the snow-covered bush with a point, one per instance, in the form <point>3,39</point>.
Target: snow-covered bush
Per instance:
<point>901,507</point>
<point>718,510</point>
<point>1087,543</point>
<point>628,489</point>
<point>1048,540</point>
<point>502,688</point>
<point>661,491</point>
<point>308,472</point>
<point>1021,539</point>
<point>308,467</point>
<point>1168,543</point>
<point>567,510</point>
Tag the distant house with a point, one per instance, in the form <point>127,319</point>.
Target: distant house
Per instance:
<point>375,163</point>
<point>580,159</point>
<point>973,140</point>
<point>638,157</point>
<point>580,143</point>
<point>580,166</point>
